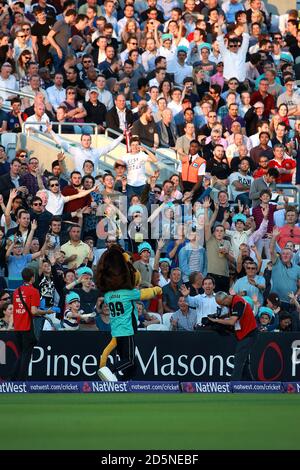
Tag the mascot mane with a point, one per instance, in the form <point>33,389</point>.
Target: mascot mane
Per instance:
<point>115,271</point>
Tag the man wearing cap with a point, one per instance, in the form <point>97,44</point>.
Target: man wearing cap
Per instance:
<point>253,116</point>
<point>167,50</point>
<point>179,67</point>
<point>86,290</point>
<point>96,111</point>
<point>143,265</point>
<point>291,98</point>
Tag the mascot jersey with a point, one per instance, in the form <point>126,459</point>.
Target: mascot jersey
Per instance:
<point>123,311</point>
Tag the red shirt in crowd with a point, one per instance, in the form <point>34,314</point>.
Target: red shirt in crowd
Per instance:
<point>31,296</point>
<point>288,164</point>
<point>260,172</point>
<point>258,216</point>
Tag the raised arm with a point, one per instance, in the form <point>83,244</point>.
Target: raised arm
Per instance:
<point>151,157</point>
<point>275,234</point>
<point>160,245</point>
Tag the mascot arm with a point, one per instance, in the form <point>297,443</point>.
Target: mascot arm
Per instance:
<point>150,292</point>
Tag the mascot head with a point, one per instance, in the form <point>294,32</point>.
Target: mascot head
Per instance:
<point>115,271</point>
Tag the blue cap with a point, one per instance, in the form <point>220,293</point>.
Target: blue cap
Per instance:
<point>239,218</point>
<point>265,311</point>
<point>72,297</point>
<point>84,270</point>
<point>135,208</point>
<point>205,45</point>
<point>166,36</point>
<point>182,49</point>
<point>144,246</point>
<point>165,260</point>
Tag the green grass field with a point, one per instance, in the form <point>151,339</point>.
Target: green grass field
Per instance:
<point>134,421</point>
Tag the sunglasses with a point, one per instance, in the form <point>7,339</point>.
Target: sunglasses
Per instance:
<point>37,204</point>
<point>251,269</point>
<point>87,61</point>
<point>53,185</point>
<point>157,192</point>
<point>233,45</point>
<point>22,36</point>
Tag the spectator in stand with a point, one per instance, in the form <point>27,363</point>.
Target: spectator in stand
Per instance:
<point>184,319</point>
<point>284,164</point>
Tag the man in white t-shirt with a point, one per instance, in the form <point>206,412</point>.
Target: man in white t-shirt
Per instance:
<point>136,171</point>
<point>240,183</point>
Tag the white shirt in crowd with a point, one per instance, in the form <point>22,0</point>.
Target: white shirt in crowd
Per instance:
<point>56,96</point>
<point>56,202</point>
<point>204,305</point>
<point>81,154</point>
<point>136,171</point>
<point>234,63</point>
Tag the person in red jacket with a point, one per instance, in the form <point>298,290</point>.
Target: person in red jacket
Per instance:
<point>26,300</point>
<point>242,318</point>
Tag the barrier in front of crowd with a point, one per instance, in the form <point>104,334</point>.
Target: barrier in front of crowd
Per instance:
<point>157,387</point>
<point>160,356</point>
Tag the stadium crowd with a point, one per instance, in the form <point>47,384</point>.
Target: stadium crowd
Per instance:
<point>213,82</point>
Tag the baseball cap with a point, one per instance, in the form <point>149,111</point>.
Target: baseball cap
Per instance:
<point>258,104</point>
<point>134,209</point>
<point>72,297</point>
<point>182,49</point>
<point>239,218</point>
<point>84,270</point>
<point>94,89</point>
<point>265,310</point>
<point>144,246</point>
<point>166,36</point>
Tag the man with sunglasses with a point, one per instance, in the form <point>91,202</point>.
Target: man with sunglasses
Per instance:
<point>42,216</point>
<point>234,57</point>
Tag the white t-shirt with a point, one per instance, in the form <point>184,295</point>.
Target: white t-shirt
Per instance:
<point>56,202</point>
<point>245,180</point>
<point>136,171</point>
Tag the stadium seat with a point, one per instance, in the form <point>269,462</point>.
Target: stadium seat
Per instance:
<point>157,327</point>
<point>9,138</point>
<point>166,319</point>
<point>156,315</point>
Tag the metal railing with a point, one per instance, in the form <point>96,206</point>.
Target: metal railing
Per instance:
<point>163,159</point>
<point>290,190</point>
<point>60,124</point>
<point>16,92</point>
